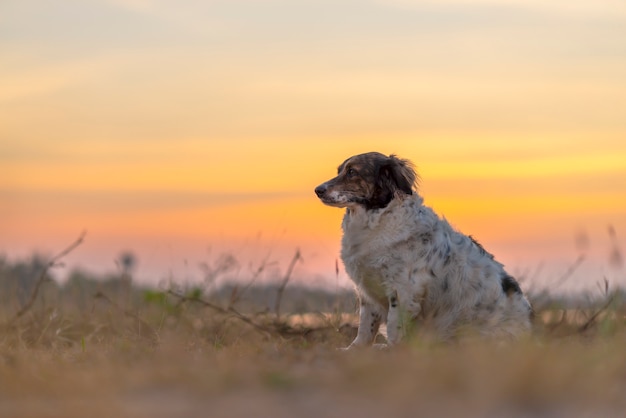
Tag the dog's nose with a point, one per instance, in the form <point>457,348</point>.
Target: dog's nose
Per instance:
<point>320,190</point>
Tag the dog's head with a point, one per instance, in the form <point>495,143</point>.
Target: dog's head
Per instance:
<point>370,180</point>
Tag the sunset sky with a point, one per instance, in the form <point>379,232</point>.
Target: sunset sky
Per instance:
<point>181,130</point>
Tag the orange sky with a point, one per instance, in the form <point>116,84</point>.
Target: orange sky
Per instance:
<point>180,132</point>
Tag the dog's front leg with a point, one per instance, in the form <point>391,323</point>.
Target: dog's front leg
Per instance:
<point>401,315</point>
<point>394,320</point>
<point>370,317</point>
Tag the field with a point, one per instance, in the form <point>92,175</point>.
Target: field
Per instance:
<point>104,348</point>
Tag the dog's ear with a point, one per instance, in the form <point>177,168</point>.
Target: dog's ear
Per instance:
<point>401,173</point>
<point>392,175</point>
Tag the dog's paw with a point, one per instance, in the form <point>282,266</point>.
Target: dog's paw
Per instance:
<point>353,347</point>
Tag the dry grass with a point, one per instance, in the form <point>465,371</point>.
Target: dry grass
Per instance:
<point>180,357</point>
<point>124,352</point>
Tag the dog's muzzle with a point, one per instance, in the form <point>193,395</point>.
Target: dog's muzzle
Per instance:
<point>331,197</point>
<point>328,197</point>
<point>320,190</point>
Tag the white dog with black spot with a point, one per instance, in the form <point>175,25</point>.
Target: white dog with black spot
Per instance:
<point>410,266</point>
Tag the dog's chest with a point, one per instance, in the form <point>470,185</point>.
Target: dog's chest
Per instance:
<point>365,270</point>
<point>368,255</point>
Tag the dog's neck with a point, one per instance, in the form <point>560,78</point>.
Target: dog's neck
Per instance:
<point>359,221</point>
<point>382,198</point>
<point>360,214</point>
<point>373,207</point>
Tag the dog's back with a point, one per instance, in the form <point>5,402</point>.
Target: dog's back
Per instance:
<point>455,286</point>
<point>470,292</point>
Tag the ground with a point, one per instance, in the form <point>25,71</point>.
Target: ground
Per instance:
<point>164,355</point>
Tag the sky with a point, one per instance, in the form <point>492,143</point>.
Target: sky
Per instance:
<point>182,131</point>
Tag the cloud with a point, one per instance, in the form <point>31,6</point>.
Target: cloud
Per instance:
<point>47,78</point>
<point>193,18</point>
<point>142,6</point>
<point>583,8</point>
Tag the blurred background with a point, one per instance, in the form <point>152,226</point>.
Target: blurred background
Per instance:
<point>178,134</point>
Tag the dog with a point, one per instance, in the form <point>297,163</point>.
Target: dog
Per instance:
<point>410,267</point>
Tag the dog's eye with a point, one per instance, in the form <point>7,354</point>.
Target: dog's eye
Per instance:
<point>351,172</point>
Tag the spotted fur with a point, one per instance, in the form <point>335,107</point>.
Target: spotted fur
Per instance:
<point>410,266</point>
